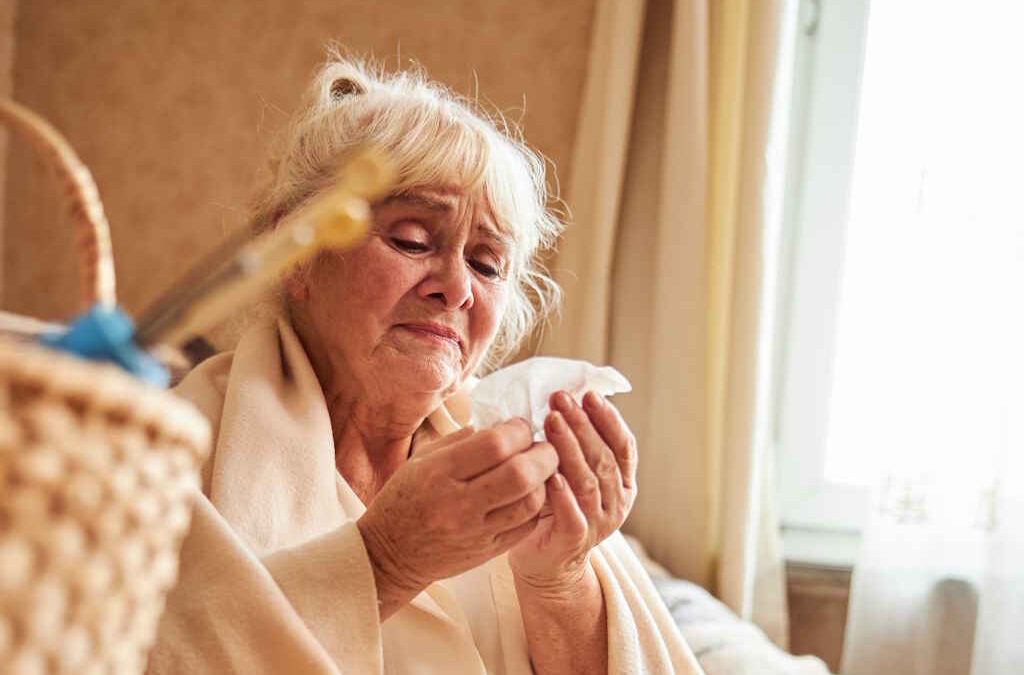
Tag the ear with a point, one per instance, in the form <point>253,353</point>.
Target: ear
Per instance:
<point>296,284</point>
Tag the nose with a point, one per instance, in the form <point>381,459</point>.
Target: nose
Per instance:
<point>449,282</point>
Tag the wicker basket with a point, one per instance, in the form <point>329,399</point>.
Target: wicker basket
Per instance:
<point>97,473</point>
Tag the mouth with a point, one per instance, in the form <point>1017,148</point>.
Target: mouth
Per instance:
<point>434,331</point>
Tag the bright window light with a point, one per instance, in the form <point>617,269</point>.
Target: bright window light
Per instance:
<point>932,295</point>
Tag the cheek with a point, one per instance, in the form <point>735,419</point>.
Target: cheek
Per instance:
<point>360,283</point>
<point>375,280</point>
<point>489,308</point>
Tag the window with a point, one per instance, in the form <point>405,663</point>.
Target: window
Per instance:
<point>902,252</point>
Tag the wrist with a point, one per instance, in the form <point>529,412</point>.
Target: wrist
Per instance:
<point>565,623</point>
<point>396,585</point>
<point>568,583</point>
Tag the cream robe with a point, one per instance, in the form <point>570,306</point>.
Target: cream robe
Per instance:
<point>274,577</point>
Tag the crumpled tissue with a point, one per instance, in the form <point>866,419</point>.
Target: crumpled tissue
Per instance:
<point>523,390</point>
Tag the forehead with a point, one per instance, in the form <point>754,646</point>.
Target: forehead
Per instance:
<point>450,202</point>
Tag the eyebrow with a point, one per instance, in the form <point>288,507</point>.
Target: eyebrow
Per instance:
<point>419,200</point>
<point>434,204</point>
<point>500,238</point>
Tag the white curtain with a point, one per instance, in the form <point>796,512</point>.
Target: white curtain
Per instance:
<point>928,374</point>
<point>663,267</point>
<point>998,645</point>
<point>939,586</point>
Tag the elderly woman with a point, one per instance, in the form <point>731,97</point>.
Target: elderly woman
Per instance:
<point>344,526</point>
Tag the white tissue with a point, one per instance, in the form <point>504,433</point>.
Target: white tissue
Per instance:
<point>523,390</point>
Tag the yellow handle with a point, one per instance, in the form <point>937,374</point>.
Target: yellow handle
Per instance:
<point>338,218</point>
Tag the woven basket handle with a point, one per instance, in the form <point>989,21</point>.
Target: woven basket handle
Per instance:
<point>96,261</point>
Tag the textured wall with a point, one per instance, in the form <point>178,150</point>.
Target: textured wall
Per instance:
<point>6,76</point>
<point>172,104</point>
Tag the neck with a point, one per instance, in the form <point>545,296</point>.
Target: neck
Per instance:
<point>367,462</point>
<point>373,427</point>
<point>372,435</point>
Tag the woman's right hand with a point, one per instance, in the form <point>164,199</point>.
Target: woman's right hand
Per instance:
<point>467,499</point>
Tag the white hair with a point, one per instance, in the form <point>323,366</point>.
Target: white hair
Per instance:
<point>434,137</point>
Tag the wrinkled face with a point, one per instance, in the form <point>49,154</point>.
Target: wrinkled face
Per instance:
<point>415,307</point>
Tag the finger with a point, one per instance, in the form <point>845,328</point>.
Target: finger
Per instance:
<point>509,538</point>
<point>570,521</point>
<point>599,456</point>
<point>616,434</point>
<point>590,441</point>
<point>444,441</point>
<point>515,514</point>
<point>484,450</point>
<point>514,478</point>
<point>571,462</point>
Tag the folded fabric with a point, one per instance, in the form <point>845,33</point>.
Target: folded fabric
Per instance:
<point>723,643</point>
<point>274,577</point>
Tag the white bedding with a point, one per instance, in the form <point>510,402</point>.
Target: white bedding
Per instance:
<point>722,642</point>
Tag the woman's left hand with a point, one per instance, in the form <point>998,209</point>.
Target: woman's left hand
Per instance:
<point>589,498</point>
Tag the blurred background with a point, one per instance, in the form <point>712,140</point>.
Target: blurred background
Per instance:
<point>796,229</point>
<point>172,106</point>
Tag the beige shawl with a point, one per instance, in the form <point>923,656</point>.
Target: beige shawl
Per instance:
<point>274,577</point>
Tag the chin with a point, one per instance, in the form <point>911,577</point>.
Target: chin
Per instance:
<point>429,376</point>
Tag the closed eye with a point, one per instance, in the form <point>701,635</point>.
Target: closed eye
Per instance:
<point>409,246</point>
<point>484,269</point>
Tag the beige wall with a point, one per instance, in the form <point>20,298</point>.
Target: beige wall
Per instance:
<point>172,103</point>
<point>6,80</point>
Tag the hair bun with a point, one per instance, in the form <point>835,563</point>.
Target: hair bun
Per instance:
<point>345,86</point>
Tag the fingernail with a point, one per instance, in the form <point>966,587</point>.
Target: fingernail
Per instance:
<point>557,422</point>
<point>563,400</point>
<point>593,401</point>
<point>557,482</point>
